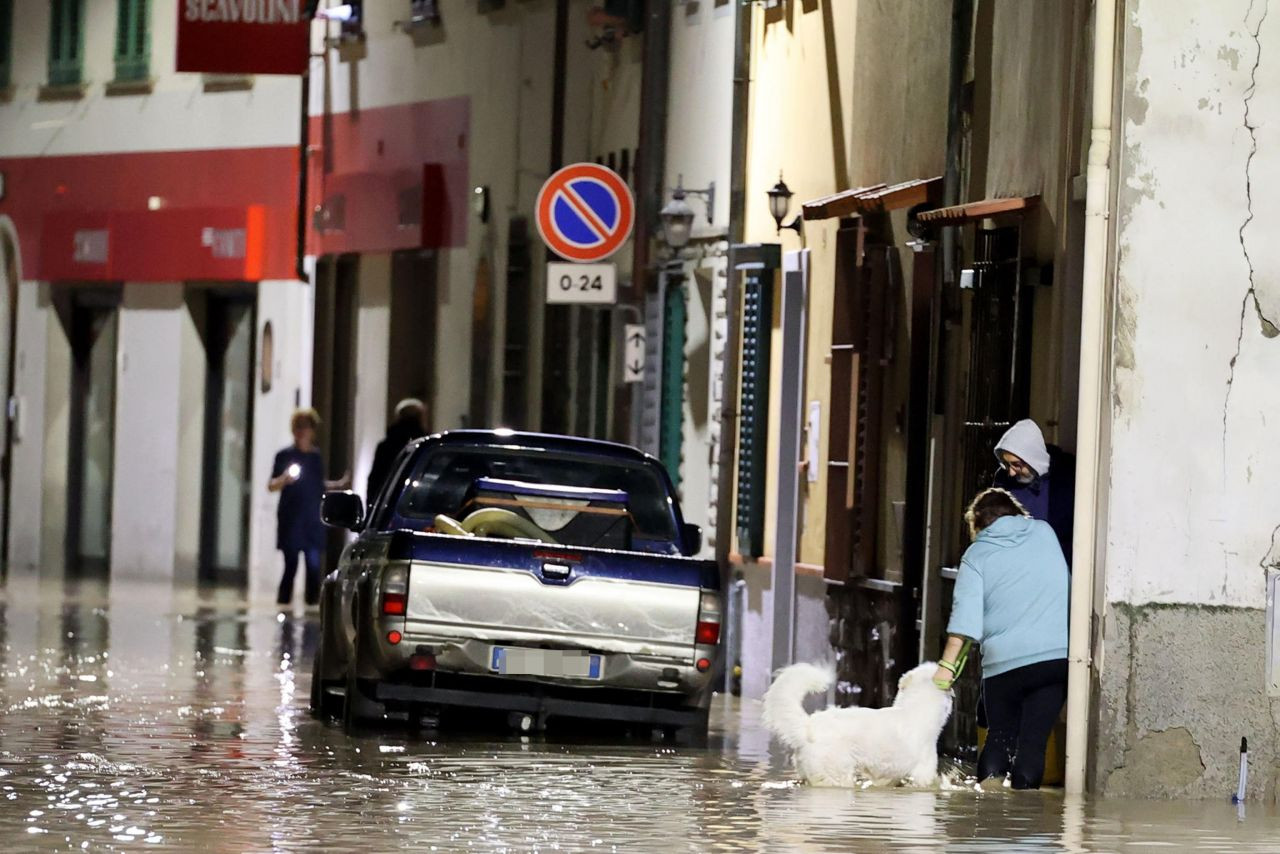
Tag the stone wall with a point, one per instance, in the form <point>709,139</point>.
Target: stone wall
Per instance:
<point>1191,513</point>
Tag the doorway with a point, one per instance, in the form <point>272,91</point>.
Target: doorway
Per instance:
<point>9,271</point>
<point>94,338</point>
<point>411,345</point>
<point>333,390</point>
<point>228,428</point>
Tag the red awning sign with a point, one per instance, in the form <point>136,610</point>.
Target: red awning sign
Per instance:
<point>243,36</point>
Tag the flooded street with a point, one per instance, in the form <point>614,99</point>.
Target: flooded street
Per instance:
<point>137,718</point>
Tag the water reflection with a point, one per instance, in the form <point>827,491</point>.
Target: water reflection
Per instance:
<point>140,717</point>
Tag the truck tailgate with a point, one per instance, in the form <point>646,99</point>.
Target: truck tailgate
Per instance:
<point>627,602</point>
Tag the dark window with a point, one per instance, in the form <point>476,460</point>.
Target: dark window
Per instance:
<point>133,39</point>
<point>66,42</point>
<point>444,479</point>
<point>6,42</point>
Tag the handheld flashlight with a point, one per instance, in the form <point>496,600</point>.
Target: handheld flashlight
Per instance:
<point>295,471</point>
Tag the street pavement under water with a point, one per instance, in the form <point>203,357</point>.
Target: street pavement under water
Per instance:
<point>135,717</point>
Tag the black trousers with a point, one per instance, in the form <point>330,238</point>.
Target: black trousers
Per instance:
<point>1022,707</point>
<point>314,558</point>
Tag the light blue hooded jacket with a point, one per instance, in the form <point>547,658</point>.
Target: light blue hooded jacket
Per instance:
<point>1012,595</point>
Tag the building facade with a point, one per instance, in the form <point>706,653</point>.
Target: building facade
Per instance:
<point>187,257</point>
<point>429,138</point>
<point>156,331</point>
<point>942,155</point>
<point>1189,553</point>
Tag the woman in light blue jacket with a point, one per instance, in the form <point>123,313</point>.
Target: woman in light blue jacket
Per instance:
<point>1011,596</point>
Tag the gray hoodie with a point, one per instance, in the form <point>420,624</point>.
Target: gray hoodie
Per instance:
<point>1026,441</point>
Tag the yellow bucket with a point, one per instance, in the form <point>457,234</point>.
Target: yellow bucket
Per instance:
<point>1055,761</point>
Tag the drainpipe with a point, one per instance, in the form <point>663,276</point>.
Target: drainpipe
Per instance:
<point>650,186</point>
<point>726,461</point>
<point>1092,390</point>
<point>961,34</point>
<point>300,269</point>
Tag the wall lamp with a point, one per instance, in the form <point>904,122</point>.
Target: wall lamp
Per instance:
<point>779,202</point>
<point>677,216</point>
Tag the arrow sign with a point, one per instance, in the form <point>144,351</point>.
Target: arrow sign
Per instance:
<point>633,353</point>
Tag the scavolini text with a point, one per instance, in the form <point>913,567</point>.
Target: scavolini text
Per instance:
<point>246,11</point>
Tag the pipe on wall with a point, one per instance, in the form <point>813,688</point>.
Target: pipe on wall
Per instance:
<point>728,450</point>
<point>1093,388</point>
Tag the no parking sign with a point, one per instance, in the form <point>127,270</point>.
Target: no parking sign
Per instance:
<point>585,212</point>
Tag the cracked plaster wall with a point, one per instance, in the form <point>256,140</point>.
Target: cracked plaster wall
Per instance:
<point>1194,461</point>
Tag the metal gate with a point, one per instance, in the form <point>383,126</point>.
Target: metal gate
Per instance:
<point>996,394</point>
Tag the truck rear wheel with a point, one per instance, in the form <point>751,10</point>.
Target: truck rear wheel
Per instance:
<point>358,708</point>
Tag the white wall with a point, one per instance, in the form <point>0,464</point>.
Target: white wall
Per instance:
<point>810,635</point>
<point>1193,462</point>
<point>699,144</point>
<point>145,469</point>
<point>189,470</point>
<point>290,309</point>
<point>56,437</point>
<point>27,472</point>
<point>700,105</point>
<point>701,411</point>
<point>373,326</point>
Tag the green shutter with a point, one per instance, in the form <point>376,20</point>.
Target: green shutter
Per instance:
<point>753,436</point>
<point>133,40</point>
<point>671,394</point>
<point>66,42</point>
<point>6,42</point>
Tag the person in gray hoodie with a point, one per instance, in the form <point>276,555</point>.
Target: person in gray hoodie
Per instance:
<point>1041,477</point>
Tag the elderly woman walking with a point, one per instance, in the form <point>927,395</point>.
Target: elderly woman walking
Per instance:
<point>1011,596</point>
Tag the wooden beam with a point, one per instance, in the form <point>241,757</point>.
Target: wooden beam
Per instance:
<point>973,211</point>
<point>876,197</point>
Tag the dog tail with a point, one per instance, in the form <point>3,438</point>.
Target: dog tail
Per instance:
<point>784,712</point>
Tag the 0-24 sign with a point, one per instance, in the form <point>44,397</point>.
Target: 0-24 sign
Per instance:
<point>579,284</point>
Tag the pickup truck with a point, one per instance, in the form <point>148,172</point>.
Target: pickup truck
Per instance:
<point>534,576</point>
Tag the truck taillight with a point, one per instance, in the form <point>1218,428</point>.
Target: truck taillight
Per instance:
<point>707,632</point>
<point>395,590</point>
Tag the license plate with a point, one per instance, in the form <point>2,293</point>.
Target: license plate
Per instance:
<point>521,661</point>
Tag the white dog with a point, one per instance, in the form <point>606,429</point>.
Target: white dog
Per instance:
<point>846,747</point>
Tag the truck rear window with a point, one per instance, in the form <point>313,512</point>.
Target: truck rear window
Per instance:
<point>446,480</point>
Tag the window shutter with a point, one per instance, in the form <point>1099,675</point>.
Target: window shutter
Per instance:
<point>672,395</point>
<point>753,435</point>
<point>133,40</point>
<point>66,42</point>
<point>860,352</point>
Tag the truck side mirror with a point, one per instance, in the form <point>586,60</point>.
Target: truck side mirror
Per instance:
<point>692,536</point>
<point>342,510</point>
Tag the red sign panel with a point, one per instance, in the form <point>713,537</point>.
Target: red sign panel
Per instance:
<point>243,36</point>
<point>155,246</point>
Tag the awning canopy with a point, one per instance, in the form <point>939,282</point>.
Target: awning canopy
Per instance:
<point>873,198</point>
<point>974,211</point>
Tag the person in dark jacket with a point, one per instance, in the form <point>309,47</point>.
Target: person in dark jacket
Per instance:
<point>1041,477</point>
<point>298,475</point>
<point>410,423</point>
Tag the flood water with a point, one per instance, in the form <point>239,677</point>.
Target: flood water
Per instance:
<point>136,718</point>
